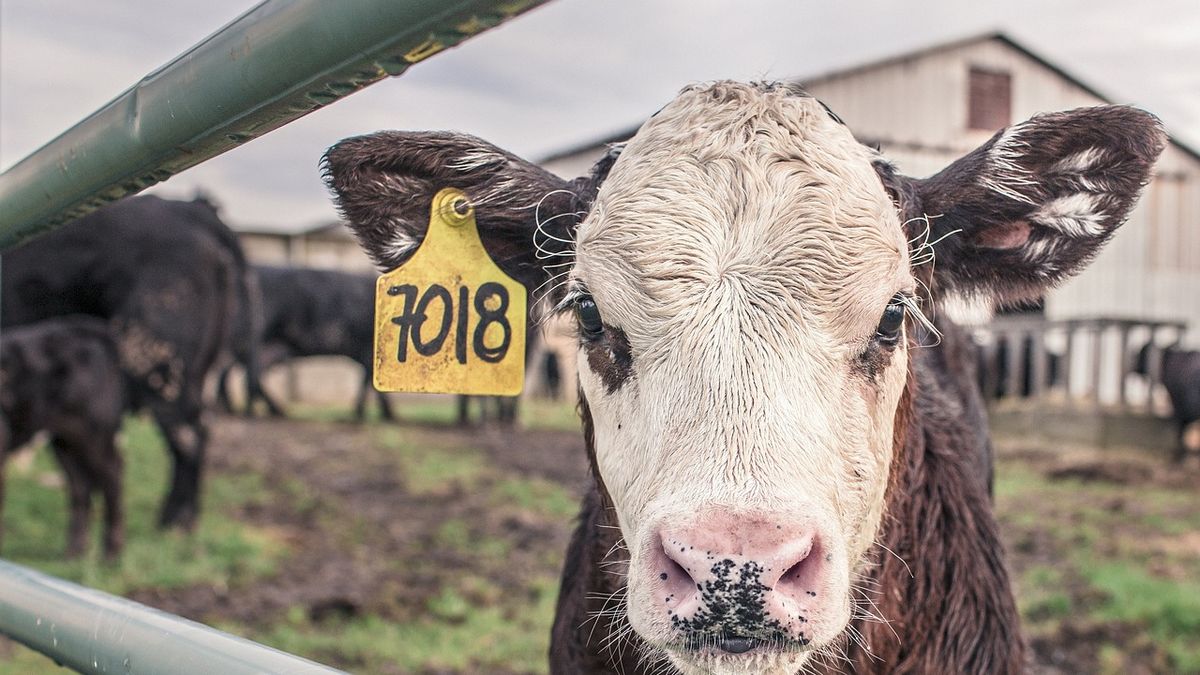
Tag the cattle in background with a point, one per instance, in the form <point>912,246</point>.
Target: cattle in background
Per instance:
<point>783,479</point>
<point>993,368</point>
<point>167,287</point>
<point>315,312</point>
<point>62,376</point>
<point>1179,370</point>
<point>246,330</point>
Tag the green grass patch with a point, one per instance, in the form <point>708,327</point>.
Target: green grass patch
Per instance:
<point>427,468</point>
<point>549,415</point>
<point>1169,610</point>
<point>458,634</point>
<point>222,551</point>
<point>538,495</point>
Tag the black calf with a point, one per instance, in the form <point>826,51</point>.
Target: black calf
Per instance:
<point>62,376</point>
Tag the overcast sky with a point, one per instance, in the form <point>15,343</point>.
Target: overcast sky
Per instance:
<point>568,72</point>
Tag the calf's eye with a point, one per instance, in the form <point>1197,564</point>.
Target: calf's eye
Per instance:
<point>588,314</point>
<point>891,323</point>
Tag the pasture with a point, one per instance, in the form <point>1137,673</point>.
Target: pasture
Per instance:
<point>422,548</point>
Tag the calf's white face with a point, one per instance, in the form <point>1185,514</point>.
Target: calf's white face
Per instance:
<point>741,255</point>
<point>741,275</point>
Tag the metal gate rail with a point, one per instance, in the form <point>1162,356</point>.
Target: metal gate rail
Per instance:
<point>277,62</point>
<point>94,632</point>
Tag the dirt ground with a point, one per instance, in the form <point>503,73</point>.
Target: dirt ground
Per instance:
<point>363,514</point>
<point>359,518</point>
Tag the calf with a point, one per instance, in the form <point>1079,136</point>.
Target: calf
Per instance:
<point>167,287</point>
<point>62,376</point>
<point>1180,372</point>
<point>789,463</point>
<point>313,312</point>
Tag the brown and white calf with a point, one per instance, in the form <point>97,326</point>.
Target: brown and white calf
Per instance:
<point>790,469</point>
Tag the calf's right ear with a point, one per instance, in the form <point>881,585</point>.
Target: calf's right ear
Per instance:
<point>1034,204</point>
<point>384,183</point>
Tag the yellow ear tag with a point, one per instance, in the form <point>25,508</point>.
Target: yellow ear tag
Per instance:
<point>449,320</point>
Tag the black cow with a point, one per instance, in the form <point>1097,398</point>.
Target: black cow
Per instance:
<point>63,376</point>
<point>168,288</point>
<point>313,312</point>
<point>1180,373</point>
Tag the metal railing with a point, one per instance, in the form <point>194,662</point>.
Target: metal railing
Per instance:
<point>279,61</point>
<point>94,632</point>
<point>1083,363</point>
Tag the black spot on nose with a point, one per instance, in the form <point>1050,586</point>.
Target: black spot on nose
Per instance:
<point>737,645</point>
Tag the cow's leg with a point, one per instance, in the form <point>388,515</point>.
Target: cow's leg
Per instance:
<point>108,471</point>
<point>3,462</point>
<point>503,410</point>
<point>360,403</point>
<point>187,438</point>
<point>464,410</point>
<point>385,406</point>
<point>223,400</point>
<point>79,495</point>
<point>1181,446</point>
<point>256,392</point>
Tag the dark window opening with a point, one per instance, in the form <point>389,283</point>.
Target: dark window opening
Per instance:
<point>989,99</point>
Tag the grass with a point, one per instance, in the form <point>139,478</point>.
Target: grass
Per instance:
<point>1167,610</point>
<point>442,410</point>
<point>1119,561</point>
<point>456,635</point>
<point>467,623</point>
<point>222,552</point>
<point>1115,565</point>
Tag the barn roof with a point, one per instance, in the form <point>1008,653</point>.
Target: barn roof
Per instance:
<point>909,56</point>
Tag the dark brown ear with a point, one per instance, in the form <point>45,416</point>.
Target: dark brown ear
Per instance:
<point>1034,204</point>
<point>383,183</point>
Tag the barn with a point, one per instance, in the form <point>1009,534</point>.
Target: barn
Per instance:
<point>925,108</point>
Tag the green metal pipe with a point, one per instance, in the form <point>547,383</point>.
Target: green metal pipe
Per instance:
<point>94,632</point>
<point>277,62</point>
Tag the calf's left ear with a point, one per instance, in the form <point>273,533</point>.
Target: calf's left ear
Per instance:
<point>384,184</point>
<point>1035,203</point>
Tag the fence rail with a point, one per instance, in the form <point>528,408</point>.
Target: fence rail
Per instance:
<point>277,62</point>
<point>94,632</point>
<point>1085,362</point>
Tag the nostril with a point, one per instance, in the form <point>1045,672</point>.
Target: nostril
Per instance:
<point>803,576</point>
<point>676,583</point>
<point>672,570</point>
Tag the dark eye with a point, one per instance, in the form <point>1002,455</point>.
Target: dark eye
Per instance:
<point>588,313</point>
<point>891,323</point>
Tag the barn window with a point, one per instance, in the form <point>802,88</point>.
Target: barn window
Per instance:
<point>989,99</point>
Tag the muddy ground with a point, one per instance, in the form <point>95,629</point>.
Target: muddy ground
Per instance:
<point>363,542</point>
<point>364,530</point>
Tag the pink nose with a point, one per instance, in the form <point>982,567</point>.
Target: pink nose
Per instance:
<point>731,582</point>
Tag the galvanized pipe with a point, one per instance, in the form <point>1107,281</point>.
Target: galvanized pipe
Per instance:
<point>94,632</point>
<point>277,62</point>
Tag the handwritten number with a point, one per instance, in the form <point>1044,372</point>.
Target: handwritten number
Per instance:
<point>415,313</point>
